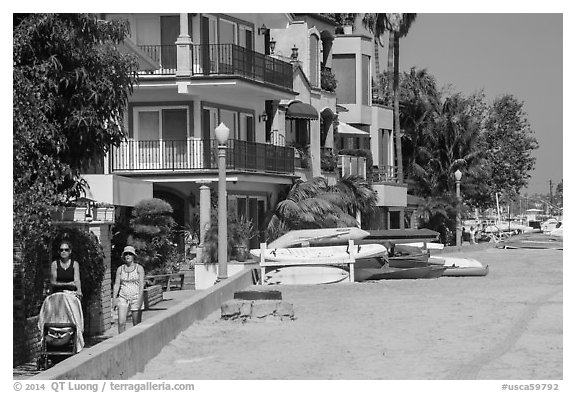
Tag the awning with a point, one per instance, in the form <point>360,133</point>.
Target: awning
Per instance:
<point>300,110</point>
<point>345,129</point>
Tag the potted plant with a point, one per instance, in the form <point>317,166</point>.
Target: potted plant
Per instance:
<point>240,232</point>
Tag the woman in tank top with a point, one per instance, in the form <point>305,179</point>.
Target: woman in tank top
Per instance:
<point>64,272</point>
<point>128,289</point>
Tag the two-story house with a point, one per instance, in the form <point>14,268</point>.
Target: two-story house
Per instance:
<point>197,71</point>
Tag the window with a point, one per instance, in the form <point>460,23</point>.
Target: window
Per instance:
<point>152,123</point>
<point>366,80</point>
<point>345,71</point>
<point>314,63</point>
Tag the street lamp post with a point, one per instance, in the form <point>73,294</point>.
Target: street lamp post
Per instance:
<point>458,176</point>
<point>222,133</point>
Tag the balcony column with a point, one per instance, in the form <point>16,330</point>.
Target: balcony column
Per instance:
<point>204,217</point>
<point>184,49</point>
<point>315,147</point>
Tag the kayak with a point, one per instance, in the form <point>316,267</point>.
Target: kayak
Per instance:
<point>308,255</point>
<point>323,236</point>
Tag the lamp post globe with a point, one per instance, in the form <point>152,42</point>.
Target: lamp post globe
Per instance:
<point>222,132</point>
<point>458,177</point>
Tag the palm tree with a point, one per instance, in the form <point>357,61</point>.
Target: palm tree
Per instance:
<point>398,26</point>
<point>419,101</point>
<point>316,204</point>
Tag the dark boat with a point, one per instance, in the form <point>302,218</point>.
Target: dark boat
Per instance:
<point>437,271</point>
<point>392,273</point>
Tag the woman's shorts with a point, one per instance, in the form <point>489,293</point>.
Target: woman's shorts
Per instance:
<point>130,302</point>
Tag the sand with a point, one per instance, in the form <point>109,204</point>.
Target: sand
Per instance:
<point>505,326</point>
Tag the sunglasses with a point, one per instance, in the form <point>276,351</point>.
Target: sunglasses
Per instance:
<point>64,249</point>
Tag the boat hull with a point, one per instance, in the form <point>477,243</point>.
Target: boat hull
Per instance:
<point>309,254</point>
<point>318,237</point>
<point>466,271</point>
<point>305,275</point>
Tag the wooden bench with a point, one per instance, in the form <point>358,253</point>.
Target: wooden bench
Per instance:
<point>349,260</point>
<point>152,295</point>
<point>169,282</point>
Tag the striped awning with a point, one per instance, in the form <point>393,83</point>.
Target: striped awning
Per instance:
<point>300,110</point>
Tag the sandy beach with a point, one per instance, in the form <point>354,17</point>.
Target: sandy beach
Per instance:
<point>507,325</point>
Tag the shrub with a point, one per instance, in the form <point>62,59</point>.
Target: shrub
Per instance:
<point>153,229</point>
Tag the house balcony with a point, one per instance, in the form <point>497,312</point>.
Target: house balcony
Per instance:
<point>390,189</point>
<point>386,174</point>
<point>196,156</point>
<point>212,60</point>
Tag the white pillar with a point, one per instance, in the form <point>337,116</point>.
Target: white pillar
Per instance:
<point>184,49</point>
<point>204,217</point>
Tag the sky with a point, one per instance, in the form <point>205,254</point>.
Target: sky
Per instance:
<point>520,54</point>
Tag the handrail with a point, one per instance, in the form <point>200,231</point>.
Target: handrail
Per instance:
<point>198,154</point>
<point>223,59</point>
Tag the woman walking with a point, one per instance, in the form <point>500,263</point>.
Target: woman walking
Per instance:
<point>128,289</point>
<point>64,272</point>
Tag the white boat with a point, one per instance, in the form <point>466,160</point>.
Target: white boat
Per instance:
<point>305,275</point>
<point>461,267</point>
<point>323,236</point>
<point>315,255</point>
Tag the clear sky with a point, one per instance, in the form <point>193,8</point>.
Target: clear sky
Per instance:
<point>520,54</point>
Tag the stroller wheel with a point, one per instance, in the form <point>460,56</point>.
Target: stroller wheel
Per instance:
<point>41,363</point>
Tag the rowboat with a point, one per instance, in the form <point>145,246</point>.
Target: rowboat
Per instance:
<point>307,255</point>
<point>318,237</point>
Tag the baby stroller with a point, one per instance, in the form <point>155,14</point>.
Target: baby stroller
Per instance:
<point>61,324</point>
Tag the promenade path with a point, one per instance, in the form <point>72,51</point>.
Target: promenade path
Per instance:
<point>505,326</point>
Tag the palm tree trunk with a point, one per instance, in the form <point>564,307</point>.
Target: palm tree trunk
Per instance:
<point>397,137</point>
<point>390,69</point>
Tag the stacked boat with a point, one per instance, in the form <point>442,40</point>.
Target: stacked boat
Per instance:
<point>303,253</point>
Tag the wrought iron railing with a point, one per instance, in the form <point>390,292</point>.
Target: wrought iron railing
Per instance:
<point>223,59</point>
<point>190,155</point>
<point>386,174</point>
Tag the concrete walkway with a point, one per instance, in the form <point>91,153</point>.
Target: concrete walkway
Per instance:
<point>171,299</point>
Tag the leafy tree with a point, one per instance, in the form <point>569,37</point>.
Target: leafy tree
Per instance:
<point>509,143</point>
<point>70,91</point>
<point>152,229</point>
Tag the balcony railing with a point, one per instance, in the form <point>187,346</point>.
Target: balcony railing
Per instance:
<point>191,155</point>
<point>224,59</point>
<point>386,174</point>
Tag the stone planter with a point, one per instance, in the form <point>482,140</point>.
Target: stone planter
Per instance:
<point>205,274</point>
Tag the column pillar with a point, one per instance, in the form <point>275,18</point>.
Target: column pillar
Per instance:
<point>184,49</point>
<point>204,217</point>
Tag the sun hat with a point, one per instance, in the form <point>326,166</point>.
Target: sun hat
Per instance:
<point>129,250</point>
